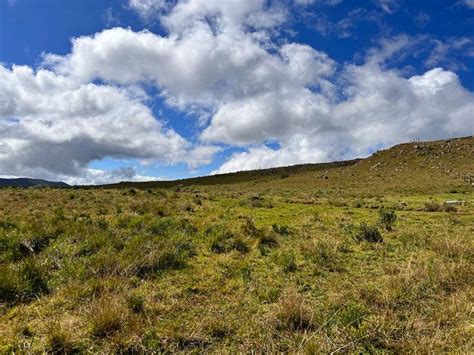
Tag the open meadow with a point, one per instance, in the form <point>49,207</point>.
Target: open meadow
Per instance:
<point>363,256</point>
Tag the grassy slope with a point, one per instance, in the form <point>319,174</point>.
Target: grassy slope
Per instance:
<point>266,260</point>
<point>422,166</point>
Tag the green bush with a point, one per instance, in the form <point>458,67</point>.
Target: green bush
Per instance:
<point>387,218</point>
<point>368,233</point>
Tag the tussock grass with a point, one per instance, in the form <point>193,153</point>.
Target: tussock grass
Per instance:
<point>107,316</point>
<point>294,313</point>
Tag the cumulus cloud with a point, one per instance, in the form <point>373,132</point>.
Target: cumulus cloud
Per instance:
<point>53,125</point>
<point>381,108</point>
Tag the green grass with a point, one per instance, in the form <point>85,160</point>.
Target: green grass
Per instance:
<point>262,263</point>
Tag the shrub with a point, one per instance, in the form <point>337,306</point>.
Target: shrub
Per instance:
<point>246,273</point>
<point>369,233</point>
<point>10,248</point>
<point>161,226</point>
<point>269,240</point>
<point>160,260</point>
<point>241,246</point>
<point>260,202</point>
<point>219,329</point>
<point>269,295</point>
<point>28,282</point>
<point>387,218</point>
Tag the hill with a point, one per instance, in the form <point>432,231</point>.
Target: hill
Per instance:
<point>26,182</point>
<point>420,166</point>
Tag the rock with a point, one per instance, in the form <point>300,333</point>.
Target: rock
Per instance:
<point>454,203</point>
<point>26,248</point>
<point>376,166</point>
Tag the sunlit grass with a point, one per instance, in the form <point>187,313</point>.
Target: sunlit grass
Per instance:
<point>300,264</point>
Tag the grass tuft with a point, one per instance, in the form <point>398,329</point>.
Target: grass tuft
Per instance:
<point>368,233</point>
<point>107,316</point>
<point>294,313</point>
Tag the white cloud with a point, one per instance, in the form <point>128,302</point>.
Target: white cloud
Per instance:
<point>389,6</point>
<point>299,149</point>
<point>102,177</point>
<point>53,125</point>
<point>445,52</point>
<point>382,108</point>
<point>469,3</point>
<point>147,9</point>
<point>320,2</point>
<point>236,77</point>
<point>344,27</point>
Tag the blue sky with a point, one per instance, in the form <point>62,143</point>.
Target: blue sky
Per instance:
<point>97,91</point>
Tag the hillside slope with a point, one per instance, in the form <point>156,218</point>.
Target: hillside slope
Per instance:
<point>418,166</point>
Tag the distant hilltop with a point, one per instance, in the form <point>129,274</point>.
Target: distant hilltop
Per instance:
<point>25,182</point>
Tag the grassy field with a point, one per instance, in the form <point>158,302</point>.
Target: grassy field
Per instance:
<point>355,257</point>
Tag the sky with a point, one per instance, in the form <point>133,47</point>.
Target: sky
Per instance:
<point>101,91</point>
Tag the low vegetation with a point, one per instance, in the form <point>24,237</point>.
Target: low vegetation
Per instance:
<point>302,263</point>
